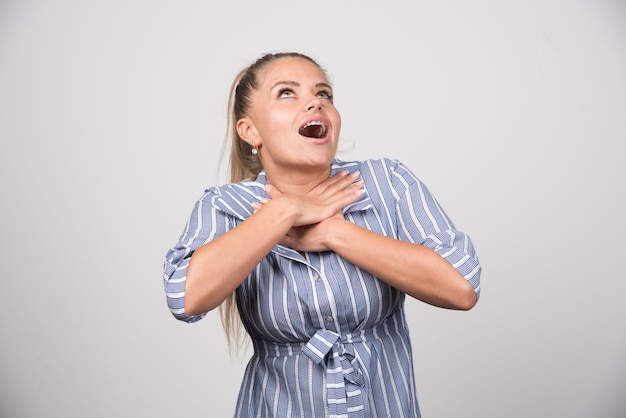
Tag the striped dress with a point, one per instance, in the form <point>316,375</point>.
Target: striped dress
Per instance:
<point>330,339</point>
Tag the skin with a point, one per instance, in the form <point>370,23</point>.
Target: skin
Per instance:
<point>304,209</point>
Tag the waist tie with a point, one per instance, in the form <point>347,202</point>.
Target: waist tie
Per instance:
<point>343,366</point>
<point>344,375</point>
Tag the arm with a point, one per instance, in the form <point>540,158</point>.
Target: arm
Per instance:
<point>219,266</point>
<point>414,269</point>
<point>430,260</point>
<point>411,268</point>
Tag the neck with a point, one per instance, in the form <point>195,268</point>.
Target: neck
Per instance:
<point>296,181</point>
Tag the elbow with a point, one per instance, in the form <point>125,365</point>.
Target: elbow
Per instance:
<point>201,300</point>
<point>467,298</point>
<point>177,308</point>
<point>181,305</point>
<point>191,308</point>
<point>196,306</point>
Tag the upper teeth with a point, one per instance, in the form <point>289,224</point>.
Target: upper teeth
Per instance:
<point>318,132</point>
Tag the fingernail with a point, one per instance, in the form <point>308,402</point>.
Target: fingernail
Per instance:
<point>268,188</point>
<point>356,174</point>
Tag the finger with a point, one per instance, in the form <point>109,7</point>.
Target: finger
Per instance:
<point>348,180</point>
<point>343,189</point>
<point>330,181</point>
<point>350,194</point>
<point>339,181</point>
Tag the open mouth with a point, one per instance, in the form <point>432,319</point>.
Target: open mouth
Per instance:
<point>313,129</point>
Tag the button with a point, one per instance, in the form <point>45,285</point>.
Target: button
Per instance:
<point>316,277</point>
<point>329,318</point>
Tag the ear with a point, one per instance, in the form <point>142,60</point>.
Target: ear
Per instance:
<point>247,131</point>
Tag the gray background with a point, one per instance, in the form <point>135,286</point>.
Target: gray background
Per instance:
<point>112,115</point>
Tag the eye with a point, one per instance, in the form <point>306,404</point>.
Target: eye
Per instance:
<point>325,94</point>
<point>286,92</point>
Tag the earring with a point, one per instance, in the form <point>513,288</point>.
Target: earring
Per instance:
<point>254,149</point>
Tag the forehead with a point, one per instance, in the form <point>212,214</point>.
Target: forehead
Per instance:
<point>291,69</point>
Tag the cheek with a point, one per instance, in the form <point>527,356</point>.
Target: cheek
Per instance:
<point>275,131</point>
<point>264,129</point>
<point>277,122</point>
<point>337,122</point>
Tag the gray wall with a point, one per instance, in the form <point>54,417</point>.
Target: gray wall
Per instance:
<point>112,115</point>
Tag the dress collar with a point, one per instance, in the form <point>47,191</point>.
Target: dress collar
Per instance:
<point>236,198</point>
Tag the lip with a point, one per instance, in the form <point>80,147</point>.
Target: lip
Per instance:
<point>316,141</point>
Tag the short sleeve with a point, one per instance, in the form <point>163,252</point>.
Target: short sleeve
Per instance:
<point>421,220</point>
<point>205,224</point>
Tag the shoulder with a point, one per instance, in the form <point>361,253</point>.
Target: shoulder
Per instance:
<point>241,190</point>
<point>234,198</point>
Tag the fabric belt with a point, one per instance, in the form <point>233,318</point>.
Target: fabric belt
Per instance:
<point>345,381</point>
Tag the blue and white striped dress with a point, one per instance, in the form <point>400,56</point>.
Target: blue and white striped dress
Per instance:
<point>330,339</point>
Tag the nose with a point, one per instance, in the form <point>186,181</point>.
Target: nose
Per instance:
<point>316,103</point>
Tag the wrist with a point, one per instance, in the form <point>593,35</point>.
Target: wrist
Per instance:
<point>334,232</point>
<point>282,211</point>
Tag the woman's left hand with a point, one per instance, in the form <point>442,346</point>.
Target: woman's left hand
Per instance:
<point>311,238</point>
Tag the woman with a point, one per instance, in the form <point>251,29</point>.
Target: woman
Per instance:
<point>318,254</point>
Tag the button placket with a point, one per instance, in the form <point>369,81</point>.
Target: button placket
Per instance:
<point>327,317</point>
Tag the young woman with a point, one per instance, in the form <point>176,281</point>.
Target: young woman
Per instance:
<point>315,255</point>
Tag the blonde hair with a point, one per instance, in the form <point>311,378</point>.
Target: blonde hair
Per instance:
<point>243,164</point>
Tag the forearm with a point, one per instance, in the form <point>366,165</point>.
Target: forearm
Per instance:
<point>411,268</point>
<point>218,267</point>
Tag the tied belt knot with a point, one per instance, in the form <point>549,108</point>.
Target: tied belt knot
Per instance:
<point>327,349</point>
<point>345,382</point>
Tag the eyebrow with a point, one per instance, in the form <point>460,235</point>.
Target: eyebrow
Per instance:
<point>296,84</point>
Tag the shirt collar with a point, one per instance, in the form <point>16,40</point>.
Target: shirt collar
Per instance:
<point>236,198</point>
